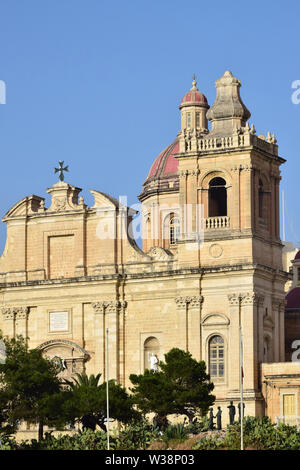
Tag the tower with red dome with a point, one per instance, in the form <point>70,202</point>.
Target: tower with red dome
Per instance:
<point>211,200</point>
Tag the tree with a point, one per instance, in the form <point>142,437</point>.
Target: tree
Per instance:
<point>191,384</point>
<point>152,394</point>
<point>181,386</point>
<point>86,402</point>
<point>29,388</point>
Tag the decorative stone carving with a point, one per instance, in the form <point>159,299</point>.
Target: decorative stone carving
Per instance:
<point>112,307</point>
<point>98,307</point>
<point>106,306</point>
<point>60,203</point>
<point>245,298</point>
<point>234,299</point>
<point>64,197</point>
<point>159,254</point>
<point>71,355</point>
<point>278,303</point>
<point>215,250</point>
<point>249,298</point>
<point>21,312</point>
<point>192,302</point>
<point>242,167</point>
<point>8,313</point>
<point>181,302</point>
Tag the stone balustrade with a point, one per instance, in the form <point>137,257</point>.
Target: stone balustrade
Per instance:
<point>213,223</point>
<point>191,141</point>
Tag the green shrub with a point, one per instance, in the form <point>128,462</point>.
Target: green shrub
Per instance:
<point>82,440</point>
<point>198,426</point>
<point>137,436</point>
<point>176,432</point>
<point>259,434</point>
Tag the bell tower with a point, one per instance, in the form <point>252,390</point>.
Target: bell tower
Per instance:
<point>229,198</point>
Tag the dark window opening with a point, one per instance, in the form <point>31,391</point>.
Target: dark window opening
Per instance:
<point>217,197</point>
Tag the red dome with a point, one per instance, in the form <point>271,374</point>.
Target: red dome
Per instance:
<point>163,174</point>
<point>194,96</point>
<point>297,255</point>
<point>165,164</point>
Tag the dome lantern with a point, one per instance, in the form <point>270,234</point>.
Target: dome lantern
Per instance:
<point>193,109</point>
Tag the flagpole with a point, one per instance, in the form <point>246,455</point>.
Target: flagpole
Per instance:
<point>107,391</point>
<point>241,388</point>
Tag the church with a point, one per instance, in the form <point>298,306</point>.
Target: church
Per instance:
<point>210,265</point>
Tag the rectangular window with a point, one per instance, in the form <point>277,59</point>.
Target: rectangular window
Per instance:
<point>188,120</point>
<point>289,409</point>
<point>197,120</point>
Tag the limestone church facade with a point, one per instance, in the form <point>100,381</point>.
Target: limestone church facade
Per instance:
<point>211,260</point>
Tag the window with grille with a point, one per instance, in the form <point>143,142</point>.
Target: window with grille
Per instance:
<point>216,358</point>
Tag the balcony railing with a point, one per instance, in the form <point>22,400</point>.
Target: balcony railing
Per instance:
<point>213,223</point>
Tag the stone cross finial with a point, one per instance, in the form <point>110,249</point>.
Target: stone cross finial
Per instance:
<point>61,170</point>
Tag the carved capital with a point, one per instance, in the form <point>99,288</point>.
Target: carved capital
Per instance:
<point>181,302</point>
<point>278,304</point>
<point>106,306</point>
<point>98,307</point>
<point>21,312</point>
<point>8,313</point>
<point>192,302</point>
<point>234,299</point>
<point>249,298</point>
<point>238,168</point>
<point>246,298</point>
<point>195,301</point>
<point>112,306</point>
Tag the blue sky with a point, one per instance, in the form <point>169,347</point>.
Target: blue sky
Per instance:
<point>98,83</point>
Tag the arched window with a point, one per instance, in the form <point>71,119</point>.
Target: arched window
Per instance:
<point>217,203</point>
<point>174,228</point>
<point>260,199</point>
<point>151,347</point>
<point>216,358</point>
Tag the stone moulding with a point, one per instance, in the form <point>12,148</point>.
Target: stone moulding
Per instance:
<point>67,343</point>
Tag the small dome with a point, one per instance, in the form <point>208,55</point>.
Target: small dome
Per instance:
<point>194,96</point>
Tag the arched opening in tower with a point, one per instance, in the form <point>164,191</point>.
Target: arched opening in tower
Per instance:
<point>217,205</point>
